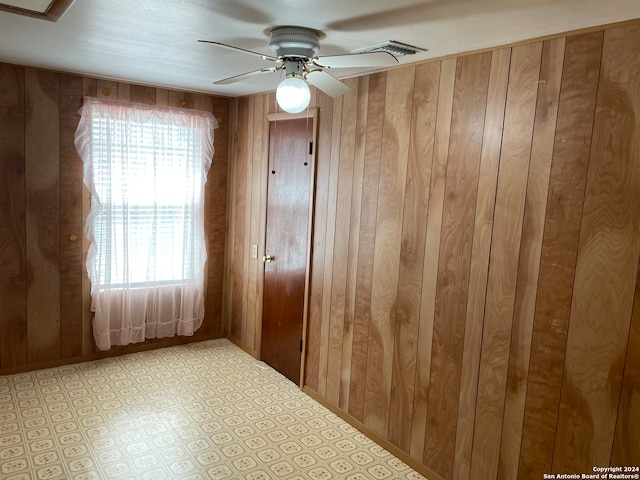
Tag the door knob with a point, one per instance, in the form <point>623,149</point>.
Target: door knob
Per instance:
<point>267,259</point>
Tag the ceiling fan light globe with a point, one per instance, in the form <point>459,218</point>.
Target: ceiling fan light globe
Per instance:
<point>293,95</point>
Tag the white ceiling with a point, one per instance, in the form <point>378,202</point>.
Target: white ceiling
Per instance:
<point>154,42</point>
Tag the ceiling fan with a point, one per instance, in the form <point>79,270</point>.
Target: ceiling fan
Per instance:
<point>295,50</point>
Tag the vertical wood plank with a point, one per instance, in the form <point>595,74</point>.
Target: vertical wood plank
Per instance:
<point>332,206</point>
<point>106,89</point>
<point>245,114</point>
<point>606,265</point>
<point>227,306</point>
<point>124,92</point>
<point>337,326</point>
<point>262,166</point>
<point>255,266</point>
<point>386,254</point>
<point>179,99</point>
<point>366,243</point>
<point>465,146</point>
<point>42,174</point>
<point>71,225</point>
<point>479,268</point>
<point>272,103</point>
<point>530,248</point>
<point>13,260</point>
<point>354,239</point>
<point>503,263</point>
<point>89,89</point>
<point>626,445</point>
<point>218,177</point>
<point>444,112</point>
<point>245,259</point>
<point>143,94</point>
<point>204,103</point>
<point>316,289</point>
<point>213,201</point>
<point>559,248</point>
<point>161,97</point>
<point>414,226</point>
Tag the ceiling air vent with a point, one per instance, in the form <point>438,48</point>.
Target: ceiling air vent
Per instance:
<point>397,49</point>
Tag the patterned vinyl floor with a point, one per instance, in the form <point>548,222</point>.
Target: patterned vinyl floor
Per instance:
<point>201,411</point>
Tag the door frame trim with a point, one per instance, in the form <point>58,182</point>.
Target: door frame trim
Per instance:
<point>311,113</point>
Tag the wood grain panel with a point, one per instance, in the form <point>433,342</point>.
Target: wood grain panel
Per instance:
<point>142,94</point>
<point>241,165</point>
<point>339,333</point>
<point>89,89</point>
<point>106,89</point>
<point>606,266</point>
<point>386,254</point>
<point>42,173</point>
<point>354,239</point>
<point>213,290</point>
<point>463,165</point>
<point>227,305</point>
<point>255,266</point>
<point>179,99</point>
<point>205,103</point>
<point>13,259</point>
<point>218,178</point>
<point>71,226</point>
<point>162,97</point>
<point>248,320</point>
<point>414,226</point>
<point>366,243</point>
<point>444,113</point>
<point>316,293</point>
<point>479,267</point>
<point>503,263</point>
<point>124,92</point>
<point>263,166</point>
<point>530,248</point>
<point>559,248</point>
<point>332,209</point>
<point>626,445</point>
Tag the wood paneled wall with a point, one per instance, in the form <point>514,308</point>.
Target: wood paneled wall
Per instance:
<point>44,290</point>
<point>474,284</point>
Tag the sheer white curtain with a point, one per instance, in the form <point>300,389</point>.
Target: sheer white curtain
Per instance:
<point>146,168</point>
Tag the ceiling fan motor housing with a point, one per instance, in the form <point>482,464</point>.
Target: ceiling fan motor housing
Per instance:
<point>294,42</point>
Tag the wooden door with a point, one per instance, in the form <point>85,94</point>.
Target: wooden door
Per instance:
<point>286,246</point>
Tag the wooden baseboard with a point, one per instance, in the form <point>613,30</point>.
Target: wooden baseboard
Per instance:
<point>113,352</point>
<point>241,345</point>
<point>384,443</point>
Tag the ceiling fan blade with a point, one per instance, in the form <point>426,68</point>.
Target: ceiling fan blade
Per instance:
<point>244,76</point>
<point>358,60</point>
<point>238,49</point>
<point>327,83</point>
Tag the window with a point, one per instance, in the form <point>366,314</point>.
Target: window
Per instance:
<point>146,168</point>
